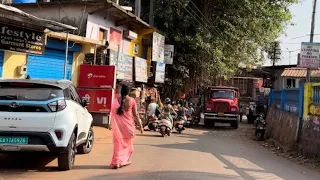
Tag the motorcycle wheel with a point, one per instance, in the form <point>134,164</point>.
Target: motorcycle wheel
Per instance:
<point>162,134</point>
<point>179,131</point>
<point>260,135</point>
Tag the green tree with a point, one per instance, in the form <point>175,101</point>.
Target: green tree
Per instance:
<point>215,38</point>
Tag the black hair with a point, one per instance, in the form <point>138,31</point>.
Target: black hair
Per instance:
<point>124,92</point>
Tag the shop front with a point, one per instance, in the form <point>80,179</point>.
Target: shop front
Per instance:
<point>1,62</point>
<point>51,64</point>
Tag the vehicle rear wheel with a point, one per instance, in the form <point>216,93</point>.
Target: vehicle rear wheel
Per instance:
<point>235,124</point>
<point>87,147</point>
<point>206,122</point>
<point>66,160</point>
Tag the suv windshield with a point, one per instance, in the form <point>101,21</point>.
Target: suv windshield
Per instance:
<point>222,94</point>
<point>29,92</point>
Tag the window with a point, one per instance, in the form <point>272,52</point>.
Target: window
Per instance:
<point>29,92</point>
<point>291,83</point>
<point>222,94</point>
<point>74,95</point>
<point>103,34</point>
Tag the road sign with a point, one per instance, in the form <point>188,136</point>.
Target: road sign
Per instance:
<point>309,56</point>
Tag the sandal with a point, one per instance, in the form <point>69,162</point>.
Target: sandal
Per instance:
<point>116,166</point>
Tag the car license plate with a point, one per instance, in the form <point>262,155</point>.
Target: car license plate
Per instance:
<point>163,128</point>
<point>180,126</point>
<point>13,140</point>
<point>220,114</point>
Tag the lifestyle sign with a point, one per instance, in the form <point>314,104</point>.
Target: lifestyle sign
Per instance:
<point>19,39</point>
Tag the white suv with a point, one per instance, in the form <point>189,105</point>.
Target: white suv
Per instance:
<point>44,115</point>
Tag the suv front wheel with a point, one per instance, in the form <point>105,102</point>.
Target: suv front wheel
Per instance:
<point>66,160</point>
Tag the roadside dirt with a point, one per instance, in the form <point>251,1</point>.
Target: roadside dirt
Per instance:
<point>246,132</point>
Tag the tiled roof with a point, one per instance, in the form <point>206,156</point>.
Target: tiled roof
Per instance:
<point>300,72</point>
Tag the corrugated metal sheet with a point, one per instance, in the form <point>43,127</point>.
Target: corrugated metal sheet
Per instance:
<point>50,65</point>
<point>1,62</point>
<point>300,73</point>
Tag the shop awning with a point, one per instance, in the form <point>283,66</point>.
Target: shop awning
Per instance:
<point>300,73</point>
<point>8,13</point>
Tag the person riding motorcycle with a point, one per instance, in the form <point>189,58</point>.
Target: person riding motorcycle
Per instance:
<point>167,110</point>
<point>182,111</point>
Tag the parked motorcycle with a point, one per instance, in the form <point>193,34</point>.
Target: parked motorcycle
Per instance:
<point>180,125</point>
<point>189,121</point>
<point>153,123</point>
<point>165,127</point>
<point>260,124</point>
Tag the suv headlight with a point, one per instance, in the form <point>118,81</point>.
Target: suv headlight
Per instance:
<point>233,109</point>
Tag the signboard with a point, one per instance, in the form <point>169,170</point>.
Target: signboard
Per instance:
<point>158,47</point>
<point>168,54</point>
<point>160,72</point>
<point>97,76</point>
<point>114,39</point>
<point>309,55</point>
<point>21,40</point>
<point>100,100</point>
<point>124,67</point>
<point>141,70</point>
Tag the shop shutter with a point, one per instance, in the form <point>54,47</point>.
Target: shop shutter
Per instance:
<point>1,62</point>
<point>50,65</point>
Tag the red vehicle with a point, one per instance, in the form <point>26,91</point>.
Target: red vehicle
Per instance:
<point>221,105</point>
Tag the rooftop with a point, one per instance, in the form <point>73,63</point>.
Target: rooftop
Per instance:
<point>300,73</point>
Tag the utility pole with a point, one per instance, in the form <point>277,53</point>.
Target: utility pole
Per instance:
<point>137,8</point>
<point>151,12</point>
<point>311,35</point>
<point>276,51</point>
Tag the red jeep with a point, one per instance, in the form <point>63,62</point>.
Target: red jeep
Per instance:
<point>221,105</point>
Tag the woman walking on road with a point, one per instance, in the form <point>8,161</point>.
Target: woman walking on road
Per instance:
<point>124,115</point>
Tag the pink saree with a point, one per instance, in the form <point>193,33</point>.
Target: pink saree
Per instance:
<point>123,128</point>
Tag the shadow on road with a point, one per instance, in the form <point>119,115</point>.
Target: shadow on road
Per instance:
<point>24,162</point>
<point>167,175</point>
<point>224,144</point>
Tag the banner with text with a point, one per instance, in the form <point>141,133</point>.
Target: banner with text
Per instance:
<point>141,69</point>
<point>158,47</point>
<point>168,54</point>
<point>124,67</point>
<point>160,72</point>
<point>114,39</point>
<point>309,56</point>
<point>19,39</point>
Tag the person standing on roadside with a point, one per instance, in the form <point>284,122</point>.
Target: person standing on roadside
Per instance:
<point>124,116</point>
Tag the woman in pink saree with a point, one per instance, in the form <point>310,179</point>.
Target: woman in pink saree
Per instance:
<point>124,115</point>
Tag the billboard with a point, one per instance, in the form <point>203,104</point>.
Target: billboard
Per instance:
<point>158,47</point>
<point>168,54</point>
<point>141,70</point>
<point>309,55</point>
<point>97,76</point>
<point>100,100</point>
<point>160,72</point>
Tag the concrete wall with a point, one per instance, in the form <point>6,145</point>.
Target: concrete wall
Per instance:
<point>310,136</point>
<point>283,127</point>
<point>11,62</point>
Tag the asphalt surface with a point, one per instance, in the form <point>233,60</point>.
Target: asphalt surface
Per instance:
<point>197,154</point>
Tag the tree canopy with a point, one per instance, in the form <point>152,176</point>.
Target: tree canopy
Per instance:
<point>216,37</point>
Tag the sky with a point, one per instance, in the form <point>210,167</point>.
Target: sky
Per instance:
<point>291,40</point>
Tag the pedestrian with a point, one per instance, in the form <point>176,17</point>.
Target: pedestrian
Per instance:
<point>124,115</point>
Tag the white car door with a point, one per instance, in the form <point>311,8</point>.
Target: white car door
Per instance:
<point>83,121</point>
<point>78,108</point>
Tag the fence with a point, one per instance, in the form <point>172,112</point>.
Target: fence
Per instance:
<point>290,100</point>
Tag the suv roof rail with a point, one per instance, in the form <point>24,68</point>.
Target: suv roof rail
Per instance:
<point>64,80</point>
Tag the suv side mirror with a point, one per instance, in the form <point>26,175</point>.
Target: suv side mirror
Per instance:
<point>85,103</point>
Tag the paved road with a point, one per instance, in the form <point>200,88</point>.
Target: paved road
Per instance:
<point>197,154</point>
